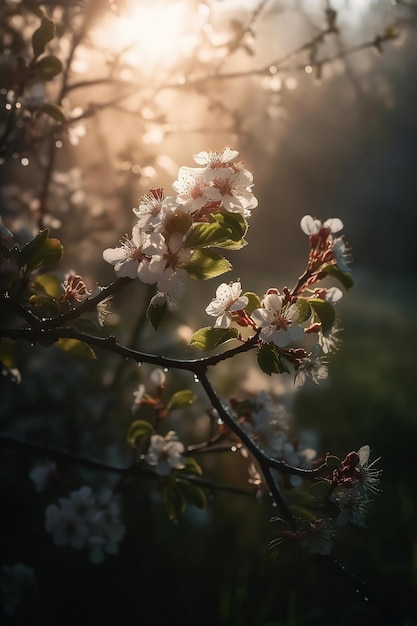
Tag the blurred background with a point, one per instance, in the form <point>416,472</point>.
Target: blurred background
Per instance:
<point>320,99</point>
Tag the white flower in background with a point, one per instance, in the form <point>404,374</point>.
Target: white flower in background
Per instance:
<point>332,294</point>
<point>69,522</point>
<point>312,366</point>
<point>297,457</point>
<point>137,257</point>
<point>227,300</point>
<point>329,341</point>
<point>278,321</point>
<point>341,255</point>
<point>311,226</point>
<point>158,377</point>
<point>165,453</point>
<point>41,473</point>
<point>138,396</point>
<point>369,475</point>
<point>107,530</point>
<point>87,521</point>
<point>105,314</point>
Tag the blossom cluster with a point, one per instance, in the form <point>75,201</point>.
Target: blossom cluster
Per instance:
<point>87,521</point>
<point>354,483</point>
<point>269,424</point>
<point>159,249</point>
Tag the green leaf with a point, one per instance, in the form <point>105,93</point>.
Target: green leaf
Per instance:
<point>174,500</point>
<point>230,244</point>
<point>42,36</point>
<point>44,304</point>
<point>192,493</point>
<point>191,466</point>
<point>155,314</point>
<point>138,429</point>
<point>234,222</point>
<point>254,302</point>
<point>180,399</point>
<point>210,337</point>
<point>205,264</point>
<point>42,250</point>
<point>270,360</point>
<point>304,310</point>
<point>303,513</point>
<point>332,462</point>
<point>47,68</point>
<point>75,348</point>
<point>343,277</point>
<point>53,110</point>
<point>319,489</point>
<point>49,284</point>
<point>204,235</point>
<point>32,248</point>
<point>325,312</point>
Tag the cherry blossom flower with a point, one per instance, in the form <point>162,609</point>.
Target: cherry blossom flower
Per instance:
<point>278,321</point>
<point>190,186</point>
<point>227,301</point>
<point>311,226</point>
<point>75,288</point>
<point>232,189</point>
<point>341,254</point>
<point>165,453</point>
<point>312,366</point>
<point>137,257</point>
<point>151,207</point>
<point>216,159</point>
<point>87,521</point>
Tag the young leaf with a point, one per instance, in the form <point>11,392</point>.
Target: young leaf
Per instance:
<point>48,254</point>
<point>319,489</point>
<point>180,399</point>
<point>75,348</point>
<point>210,337</point>
<point>205,264</point>
<point>343,277</point>
<point>155,314</point>
<point>49,284</point>
<point>47,68</point>
<point>32,248</point>
<point>53,110</point>
<point>174,500</point>
<point>204,235</point>
<point>191,466</point>
<point>270,361</point>
<point>304,311</point>
<point>325,312</point>
<point>254,302</point>
<point>42,36</point>
<point>234,222</point>
<point>193,493</point>
<point>138,429</point>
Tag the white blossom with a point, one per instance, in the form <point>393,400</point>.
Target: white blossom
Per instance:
<point>137,257</point>
<point>311,226</point>
<point>312,366</point>
<point>227,300</point>
<point>278,321</point>
<point>165,453</point>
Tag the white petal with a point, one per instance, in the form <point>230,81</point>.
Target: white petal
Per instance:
<point>272,303</point>
<point>310,226</point>
<point>113,255</point>
<point>334,223</point>
<point>364,453</point>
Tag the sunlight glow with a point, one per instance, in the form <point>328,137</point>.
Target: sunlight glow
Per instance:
<point>151,33</point>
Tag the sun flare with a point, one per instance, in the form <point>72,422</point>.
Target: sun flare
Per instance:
<point>151,33</point>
